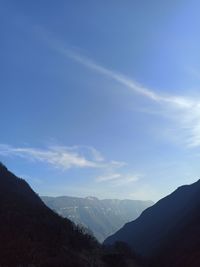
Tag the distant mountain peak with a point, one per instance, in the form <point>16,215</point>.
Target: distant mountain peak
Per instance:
<point>91,198</point>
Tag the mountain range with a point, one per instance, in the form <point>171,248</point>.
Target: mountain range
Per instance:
<point>102,217</point>
<point>168,233</point>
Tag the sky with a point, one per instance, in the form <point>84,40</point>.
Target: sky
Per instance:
<point>101,98</point>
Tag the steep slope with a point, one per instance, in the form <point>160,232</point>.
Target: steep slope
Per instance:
<point>169,231</point>
<point>31,233</point>
<point>102,217</point>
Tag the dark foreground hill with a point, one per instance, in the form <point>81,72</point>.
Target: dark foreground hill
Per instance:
<point>168,233</point>
<point>102,217</point>
<point>32,235</point>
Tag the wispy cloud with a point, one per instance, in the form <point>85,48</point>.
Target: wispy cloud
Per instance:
<point>118,179</point>
<point>184,111</point>
<point>108,177</point>
<point>178,101</point>
<point>62,157</point>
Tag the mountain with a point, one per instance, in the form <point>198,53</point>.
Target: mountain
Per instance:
<point>168,233</point>
<point>32,235</point>
<point>102,217</point>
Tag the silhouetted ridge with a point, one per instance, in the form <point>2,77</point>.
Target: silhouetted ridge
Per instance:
<point>163,229</point>
<point>31,233</point>
<point>14,186</point>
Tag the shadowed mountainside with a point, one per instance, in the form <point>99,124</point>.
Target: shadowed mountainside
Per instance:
<point>168,233</point>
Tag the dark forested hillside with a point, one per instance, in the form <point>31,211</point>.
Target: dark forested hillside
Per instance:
<point>168,232</point>
<point>33,235</point>
<point>102,217</point>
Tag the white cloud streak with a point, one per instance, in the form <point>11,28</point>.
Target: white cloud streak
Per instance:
<point>108,177</point>
<point>61,157</point>
<point>184,111</point>
<point>64,158</point>
<point>118,179</point>
<point>178,101</point>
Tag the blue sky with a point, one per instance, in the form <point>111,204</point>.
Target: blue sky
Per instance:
<point>101,97</point>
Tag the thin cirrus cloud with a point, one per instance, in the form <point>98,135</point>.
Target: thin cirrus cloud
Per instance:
<point>182,110</point>
<point>118,179</point>
<point>62,157</point>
